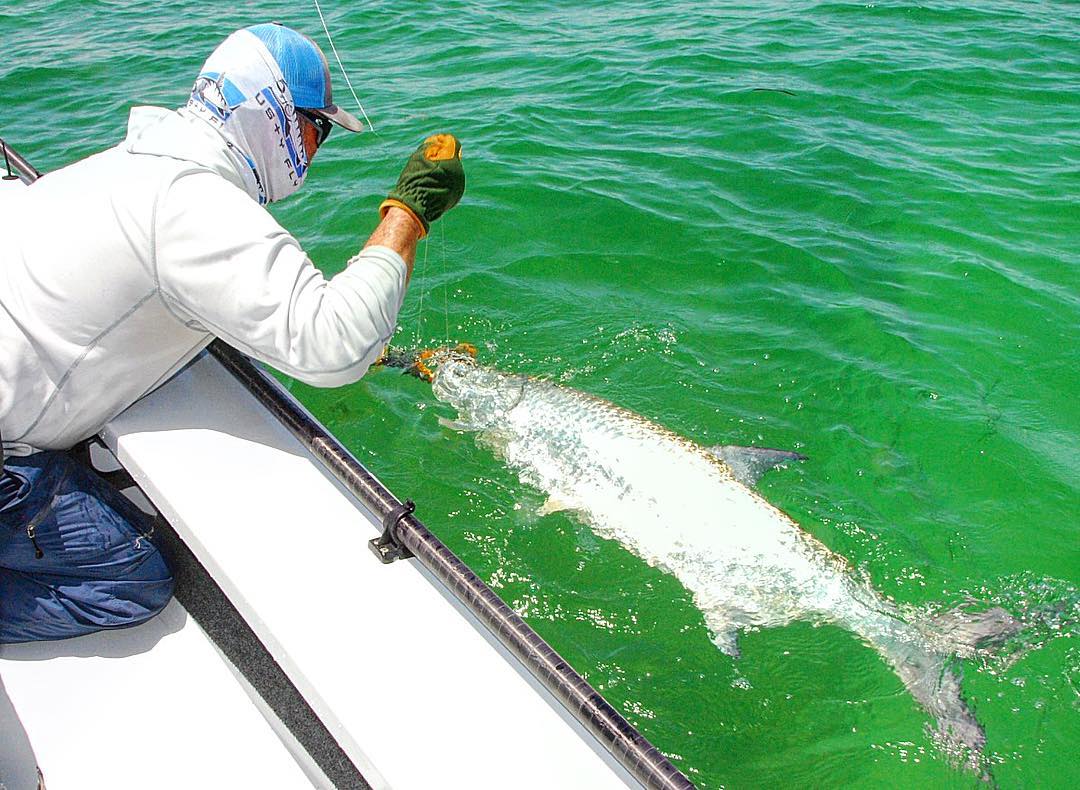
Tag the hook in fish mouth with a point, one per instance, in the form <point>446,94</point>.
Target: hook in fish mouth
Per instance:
<point>422,363</point>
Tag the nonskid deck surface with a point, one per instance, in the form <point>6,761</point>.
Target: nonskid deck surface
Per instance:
<point>316,748</point>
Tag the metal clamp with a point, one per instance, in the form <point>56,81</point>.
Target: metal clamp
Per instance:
<point>7,164</point>
<point>387,547</point>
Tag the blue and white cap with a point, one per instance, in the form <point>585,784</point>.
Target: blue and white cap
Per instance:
<point>304,67</point>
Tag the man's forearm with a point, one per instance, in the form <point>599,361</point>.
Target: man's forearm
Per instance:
<point>399,232</point>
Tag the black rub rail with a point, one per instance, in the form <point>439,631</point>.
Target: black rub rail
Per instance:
<point>628,746</point>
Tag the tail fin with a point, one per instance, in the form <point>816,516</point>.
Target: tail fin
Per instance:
<point>931,679</point>
<point>923,658</point>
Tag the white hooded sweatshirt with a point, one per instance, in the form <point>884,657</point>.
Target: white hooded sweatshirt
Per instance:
<point>117,270</point>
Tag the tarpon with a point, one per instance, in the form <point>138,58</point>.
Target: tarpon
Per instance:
<point>692,511</point>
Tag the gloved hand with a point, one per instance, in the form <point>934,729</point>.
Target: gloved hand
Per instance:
<point>432,182</point>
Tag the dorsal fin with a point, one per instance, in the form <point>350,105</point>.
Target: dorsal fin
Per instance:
<point>748,464</point>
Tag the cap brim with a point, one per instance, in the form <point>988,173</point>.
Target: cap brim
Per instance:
<point>343,119</point>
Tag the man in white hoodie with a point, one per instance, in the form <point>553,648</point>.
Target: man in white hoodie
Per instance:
<point>166,244</point>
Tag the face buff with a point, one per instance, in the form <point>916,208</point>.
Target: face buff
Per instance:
<point>242,93</point>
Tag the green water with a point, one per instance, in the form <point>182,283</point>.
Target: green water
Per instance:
<point>849,229</point>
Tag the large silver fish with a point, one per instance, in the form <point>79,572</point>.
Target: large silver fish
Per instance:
<point>691,511</point>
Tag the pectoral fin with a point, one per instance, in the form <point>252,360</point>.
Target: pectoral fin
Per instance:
<point>728,642</point>
<point>748,464</point>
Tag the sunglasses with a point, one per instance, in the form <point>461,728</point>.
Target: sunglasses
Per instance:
<point>322,125</point>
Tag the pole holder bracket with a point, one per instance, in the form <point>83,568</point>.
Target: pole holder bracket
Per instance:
<point>388,547</point>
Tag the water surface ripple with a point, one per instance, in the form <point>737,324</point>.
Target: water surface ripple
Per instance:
<point>847,229</point>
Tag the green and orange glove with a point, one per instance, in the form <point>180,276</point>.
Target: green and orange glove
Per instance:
<point>432,182</point>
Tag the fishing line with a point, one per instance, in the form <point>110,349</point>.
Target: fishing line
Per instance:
<point>420,308</point>
<point>423,284</point>
<point>342,65</point>
<point>424,289</point>
<point>442,271</point>
<point>442,232</point>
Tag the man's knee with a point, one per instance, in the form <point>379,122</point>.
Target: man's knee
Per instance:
<point>74,557</point>
<point>34,609</point>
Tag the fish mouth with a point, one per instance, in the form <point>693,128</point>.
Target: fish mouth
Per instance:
<point>424,363</point>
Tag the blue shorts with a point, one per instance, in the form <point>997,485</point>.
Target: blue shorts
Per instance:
<point>74,555</point>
